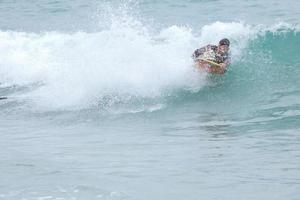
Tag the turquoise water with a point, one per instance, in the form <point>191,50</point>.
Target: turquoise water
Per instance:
<point>103,101</point>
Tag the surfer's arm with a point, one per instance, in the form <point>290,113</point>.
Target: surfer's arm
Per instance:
<point>222,68</point>
<point>226,63</point>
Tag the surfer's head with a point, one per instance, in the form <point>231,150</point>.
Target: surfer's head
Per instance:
<point>224,41</point>
<point>223,46</point>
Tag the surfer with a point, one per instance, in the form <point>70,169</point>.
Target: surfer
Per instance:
<point>212,58</point>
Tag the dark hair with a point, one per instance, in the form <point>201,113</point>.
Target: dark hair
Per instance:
<point>224,41</point>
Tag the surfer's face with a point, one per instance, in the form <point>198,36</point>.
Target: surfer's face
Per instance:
<point>223,49</point>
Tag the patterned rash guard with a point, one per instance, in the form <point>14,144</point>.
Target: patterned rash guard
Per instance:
<point>213,54</point>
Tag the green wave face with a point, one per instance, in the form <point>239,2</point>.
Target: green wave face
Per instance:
<point>263,85</point>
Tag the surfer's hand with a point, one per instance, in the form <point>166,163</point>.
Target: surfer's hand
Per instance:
<point>223,65</point>
<point>223,68</point>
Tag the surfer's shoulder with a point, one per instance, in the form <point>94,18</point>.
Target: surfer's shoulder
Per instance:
<point>204,49</point>
<point>212,47</point>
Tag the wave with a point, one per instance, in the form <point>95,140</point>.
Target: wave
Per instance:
<point>127,61</point>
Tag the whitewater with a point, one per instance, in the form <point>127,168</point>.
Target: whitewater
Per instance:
<point>101,100</point>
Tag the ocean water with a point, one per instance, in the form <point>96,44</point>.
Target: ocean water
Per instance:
<point>102,101</point>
